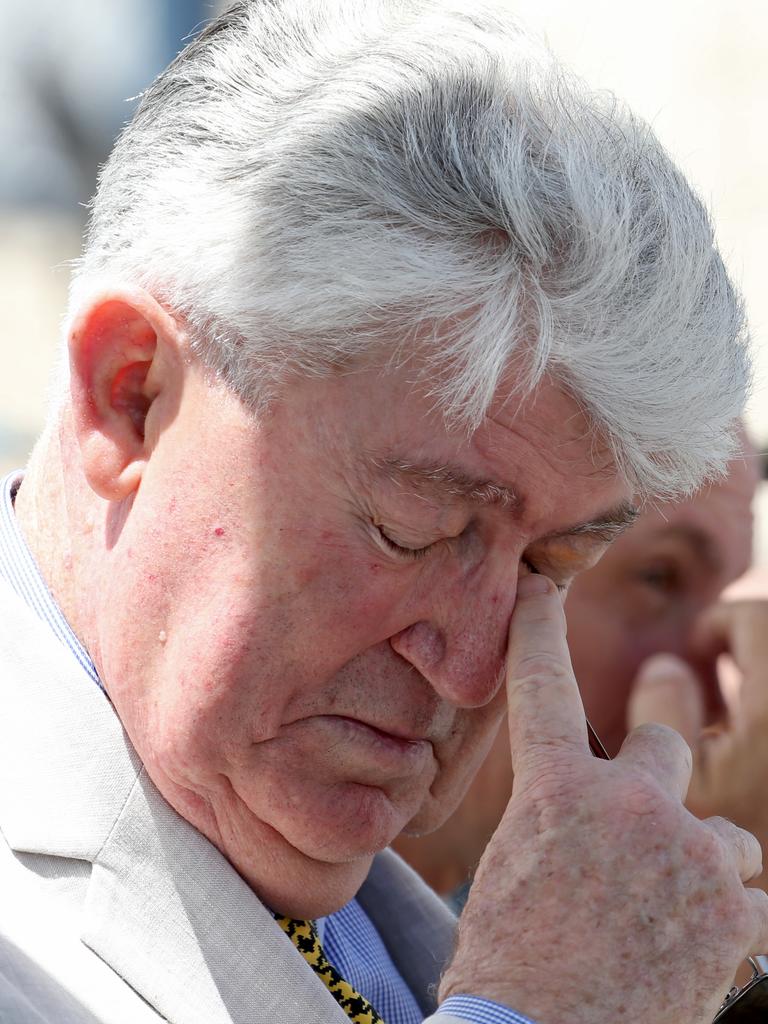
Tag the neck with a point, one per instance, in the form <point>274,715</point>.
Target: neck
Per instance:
<point>52,515</point>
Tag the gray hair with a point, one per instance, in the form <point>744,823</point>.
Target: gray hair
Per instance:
<point>314,181</point>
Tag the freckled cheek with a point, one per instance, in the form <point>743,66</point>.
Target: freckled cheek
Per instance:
<point>207,722</point>
<point>355,588</point>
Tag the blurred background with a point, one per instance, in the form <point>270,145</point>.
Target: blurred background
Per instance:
<point>70,74</point>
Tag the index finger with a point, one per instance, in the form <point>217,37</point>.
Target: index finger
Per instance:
<point>740,628</point>
<point>545,709</point>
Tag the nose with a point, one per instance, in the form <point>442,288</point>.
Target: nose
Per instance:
<point>459,646</point>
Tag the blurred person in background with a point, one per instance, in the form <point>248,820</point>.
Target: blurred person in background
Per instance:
<point>69,74</point>
<point>646,627</point>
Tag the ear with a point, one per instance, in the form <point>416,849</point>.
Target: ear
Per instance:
<point>124,355</point>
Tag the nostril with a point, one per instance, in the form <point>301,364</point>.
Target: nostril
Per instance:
<point>421,644</point>
<point>459,669</point>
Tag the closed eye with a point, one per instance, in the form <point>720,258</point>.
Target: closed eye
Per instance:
<point>562,587</point>
<point>412,554</point>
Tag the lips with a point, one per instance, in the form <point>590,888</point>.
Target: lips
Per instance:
<point>367,751</point>
<point>387,734</point>
<point>375,734</point>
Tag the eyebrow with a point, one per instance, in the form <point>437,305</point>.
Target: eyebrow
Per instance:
<point>455,483</point>
<point>450,482</point>
<point>699,542</point>
<point>605,527</point>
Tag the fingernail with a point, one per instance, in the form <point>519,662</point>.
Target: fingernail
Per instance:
<point>660,667</point>
<point>533,583</point>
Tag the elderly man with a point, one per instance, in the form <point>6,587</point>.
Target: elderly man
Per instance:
<point>383,325</point>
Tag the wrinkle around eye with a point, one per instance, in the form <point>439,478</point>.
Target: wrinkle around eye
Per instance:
<point>401,550</point>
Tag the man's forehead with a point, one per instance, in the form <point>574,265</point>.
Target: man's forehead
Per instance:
<point>715,524</point>
<point>701,542</point>
<point>547,426</point>
<point>721,503</point>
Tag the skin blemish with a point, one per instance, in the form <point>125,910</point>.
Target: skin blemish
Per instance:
<point>219,531</point>
<point>162,636</point>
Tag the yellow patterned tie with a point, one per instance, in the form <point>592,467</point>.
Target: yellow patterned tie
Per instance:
<point>303,935</point>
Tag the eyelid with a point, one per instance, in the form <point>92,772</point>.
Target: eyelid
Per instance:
<point>562,588</point>
<point>413,554</point>
<point>399,549</point>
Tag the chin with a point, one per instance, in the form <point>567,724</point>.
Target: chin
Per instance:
<point>303,887</point>
<point>356,823</point>
<point>430,816</point>
<point>439,804</point>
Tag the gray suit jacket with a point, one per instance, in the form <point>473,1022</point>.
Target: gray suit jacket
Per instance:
<point>114,909</point>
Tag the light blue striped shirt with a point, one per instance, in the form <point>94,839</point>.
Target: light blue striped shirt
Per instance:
<point>349,938</point>
<point>20,570</point>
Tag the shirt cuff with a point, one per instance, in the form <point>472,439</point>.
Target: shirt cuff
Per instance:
<point>478,1011</point>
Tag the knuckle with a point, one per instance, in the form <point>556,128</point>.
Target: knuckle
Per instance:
<point>661,733</point>
<point>665,736</point>
<point>536,671</point>
<point>718,823</point>
<point>533,670</point>
<point>707,848</point>
<point>736,837</point>
<point>642,797</point>
<point>751,852</point>
<point>550,780</point>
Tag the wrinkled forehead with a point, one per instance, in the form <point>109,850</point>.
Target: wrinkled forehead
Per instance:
<point>554,419</point>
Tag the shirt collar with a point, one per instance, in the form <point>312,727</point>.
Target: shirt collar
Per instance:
<point>20,570</point>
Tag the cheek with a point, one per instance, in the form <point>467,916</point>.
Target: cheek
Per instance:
<point>240,663</point>
<point>353,601</point>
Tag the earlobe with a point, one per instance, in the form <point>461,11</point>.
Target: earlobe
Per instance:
<point>113,351</point>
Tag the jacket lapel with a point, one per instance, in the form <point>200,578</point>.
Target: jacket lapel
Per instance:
<point>172,917</point>
<point>163,908</point>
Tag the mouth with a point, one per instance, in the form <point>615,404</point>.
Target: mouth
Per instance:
<point>384,750</point>
<point>392,735</point>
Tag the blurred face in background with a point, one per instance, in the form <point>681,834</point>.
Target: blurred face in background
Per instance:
<point>647,591</point>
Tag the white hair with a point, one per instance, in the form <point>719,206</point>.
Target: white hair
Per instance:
<point>312,181</point>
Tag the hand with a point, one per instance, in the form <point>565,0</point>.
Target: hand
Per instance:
<point>730,765</point>
<point>600,898</point>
